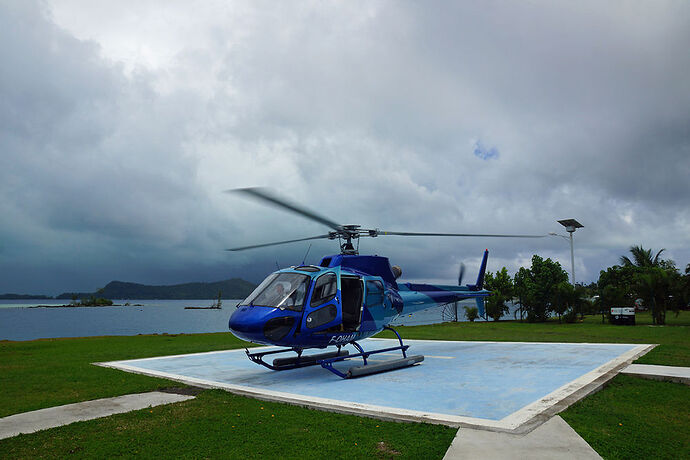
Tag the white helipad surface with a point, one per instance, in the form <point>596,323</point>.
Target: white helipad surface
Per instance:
<point>492,385</point>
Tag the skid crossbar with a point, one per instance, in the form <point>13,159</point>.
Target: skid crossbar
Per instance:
<point>367,368</point>
<point>295,362</point>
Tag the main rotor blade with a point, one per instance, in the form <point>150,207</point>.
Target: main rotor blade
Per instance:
<point>278,242</point>
<point>262,194</point>
<point>381,232</point>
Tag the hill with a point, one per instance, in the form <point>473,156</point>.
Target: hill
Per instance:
<point>234,288</point>
<point>23,296</point>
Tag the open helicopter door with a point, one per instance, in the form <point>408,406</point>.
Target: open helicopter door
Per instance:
<point>324,309</point>
<point>352,293</point>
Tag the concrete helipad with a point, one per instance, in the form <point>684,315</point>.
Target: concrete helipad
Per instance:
<point>504,386</point>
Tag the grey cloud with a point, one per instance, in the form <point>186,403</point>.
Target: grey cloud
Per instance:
<point>368,112</point>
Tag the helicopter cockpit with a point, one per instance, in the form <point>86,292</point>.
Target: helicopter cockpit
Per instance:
<point>286,291</point>
<point>296,302</point>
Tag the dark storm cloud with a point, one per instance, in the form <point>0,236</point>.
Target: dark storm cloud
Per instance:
<point>93,171</point>
<point>493,117</point>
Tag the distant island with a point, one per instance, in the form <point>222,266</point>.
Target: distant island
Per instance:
<point>234,288</point>
<point>23,297</point>
<point>90,302</point>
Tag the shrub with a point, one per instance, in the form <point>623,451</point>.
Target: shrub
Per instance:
<point>471,313</point>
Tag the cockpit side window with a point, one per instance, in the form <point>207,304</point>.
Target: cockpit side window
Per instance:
<point>324,290</point>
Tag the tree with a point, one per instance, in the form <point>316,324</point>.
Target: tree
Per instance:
<point>520,288</point>
<point>582,303</point>
<point>615,287</point>
<point>641,258</point>
<point>644,276</point>
<point>563,298</point>
<point>536,287</point>
<point>653,285</point>
<point>501,287</point>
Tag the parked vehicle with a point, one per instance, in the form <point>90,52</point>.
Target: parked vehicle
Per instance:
<point>622,315</point>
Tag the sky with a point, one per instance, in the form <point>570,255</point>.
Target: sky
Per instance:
<point>122,123</point>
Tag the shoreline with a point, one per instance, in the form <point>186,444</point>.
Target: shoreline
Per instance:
<point>83,306</point>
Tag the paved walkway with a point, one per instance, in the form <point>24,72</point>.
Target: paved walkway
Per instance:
<point>553,440</point>
<point>30,422</point>
<point>666,373</point>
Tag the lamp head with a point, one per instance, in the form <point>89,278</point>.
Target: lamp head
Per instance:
<point>570,225</point>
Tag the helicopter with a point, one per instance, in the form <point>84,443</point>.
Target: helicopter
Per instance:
<point>344,299</point>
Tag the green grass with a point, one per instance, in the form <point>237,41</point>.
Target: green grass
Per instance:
<point>635,418</point>
<point>51,372</point>
<point>46,373</point>
<point>219,424</point>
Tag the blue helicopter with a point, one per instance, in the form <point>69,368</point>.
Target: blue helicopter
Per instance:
<point>347,297</point>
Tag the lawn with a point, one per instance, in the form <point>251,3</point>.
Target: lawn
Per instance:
<point>219,424</point>
<point>673,339</point>
<point>45,373</point>
<point>635,418</point>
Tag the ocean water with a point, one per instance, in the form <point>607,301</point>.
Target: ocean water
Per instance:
<point>19,322</point>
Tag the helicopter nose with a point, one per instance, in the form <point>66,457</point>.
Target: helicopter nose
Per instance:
<point>262,325</point>
<point>243,321</point>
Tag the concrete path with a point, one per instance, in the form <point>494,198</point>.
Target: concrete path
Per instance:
<point>30,422</point>
<point>551,441</point>
<point>666,373</point>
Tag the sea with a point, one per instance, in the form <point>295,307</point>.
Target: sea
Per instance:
<point>25,320</point>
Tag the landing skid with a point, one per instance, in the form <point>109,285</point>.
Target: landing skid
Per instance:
<point>366,368</point>
<point>295,362</point>
<point>326,360</point>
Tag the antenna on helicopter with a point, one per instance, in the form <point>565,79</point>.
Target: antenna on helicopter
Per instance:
<point>344,233</point>
<point>305,255</point>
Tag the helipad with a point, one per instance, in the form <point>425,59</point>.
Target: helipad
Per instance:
<point>510,386</point>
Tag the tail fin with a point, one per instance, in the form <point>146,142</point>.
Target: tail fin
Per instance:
<point>480,278</point>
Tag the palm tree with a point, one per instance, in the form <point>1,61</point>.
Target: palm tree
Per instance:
<point>642,258</point>
<point>653,286</point>
<point>650,281</point>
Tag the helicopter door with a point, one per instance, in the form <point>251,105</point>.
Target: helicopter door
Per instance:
<point>324,310</point>
<point>353,293</point>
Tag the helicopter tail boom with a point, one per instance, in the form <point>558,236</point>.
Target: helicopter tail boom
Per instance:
<point>418,296</point>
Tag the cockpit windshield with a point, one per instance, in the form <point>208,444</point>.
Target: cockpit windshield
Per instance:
<point>282,290</point>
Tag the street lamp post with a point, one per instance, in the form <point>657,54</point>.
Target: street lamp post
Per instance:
<point>570,226</point>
